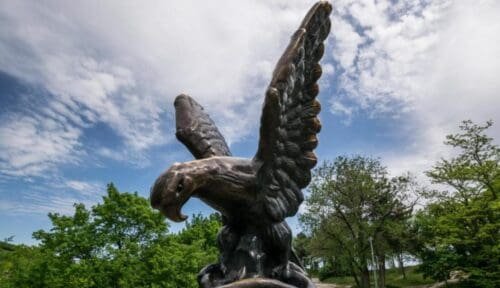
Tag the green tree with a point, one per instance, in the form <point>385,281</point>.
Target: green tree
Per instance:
<point>204,229</point>
<point>178,258</point>
<point>124,226</point>
<point>456,236</point>
<point>300,246</point>
<point>351,200</point>
<point>22,266</point>
<point>475,169</point>
<point>460,229</point>
<point>400,238</point>
<point>120,242</point>
<point>175,261</point>
<point>101,247</point>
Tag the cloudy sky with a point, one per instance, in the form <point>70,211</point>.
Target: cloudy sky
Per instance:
<point>86,87</point>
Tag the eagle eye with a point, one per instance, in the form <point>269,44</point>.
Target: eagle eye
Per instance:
<point>180,187</point>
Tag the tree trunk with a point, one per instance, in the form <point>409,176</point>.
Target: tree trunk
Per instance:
<point>401,265</point>
<point>354,274</point>
<point>365,278</point>
<point>381,271</point>
<point>356,279</point>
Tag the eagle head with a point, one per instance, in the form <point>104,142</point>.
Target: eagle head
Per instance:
<point>172,189</point>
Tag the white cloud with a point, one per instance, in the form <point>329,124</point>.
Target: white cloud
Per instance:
<point>84,187</point>
<point>35,204</point>
<point>121,63</point>
<point>64,193</point>
<point>137,159</point>
<point>346,42</point>
<point>434,63</point>
<point>382,48</point>
<point>30,146</point>
<point>337,107</point>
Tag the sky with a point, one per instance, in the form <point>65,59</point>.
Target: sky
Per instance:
<point>87,88</point>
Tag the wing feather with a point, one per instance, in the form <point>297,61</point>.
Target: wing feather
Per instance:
<point>197,131</point>
<point>289,122</point>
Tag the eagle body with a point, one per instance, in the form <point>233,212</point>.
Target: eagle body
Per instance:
<point>256,195</point>
<point>227,184</point>
<point>230,186</point>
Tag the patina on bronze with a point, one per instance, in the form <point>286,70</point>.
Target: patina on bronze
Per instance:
<point>255,195</point>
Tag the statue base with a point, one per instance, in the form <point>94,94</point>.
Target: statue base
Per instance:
<point>258,283</point>
<point>255,257</point>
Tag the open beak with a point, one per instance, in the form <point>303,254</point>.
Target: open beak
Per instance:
<point>174,213</point>
<point>170,210</point>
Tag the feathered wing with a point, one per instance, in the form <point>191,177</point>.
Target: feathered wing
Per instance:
<point>196,130</point>
<point>289,124</point>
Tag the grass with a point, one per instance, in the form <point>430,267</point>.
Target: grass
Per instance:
<point>413,278</point>
<point>342,280</point>
<point>393,278</point>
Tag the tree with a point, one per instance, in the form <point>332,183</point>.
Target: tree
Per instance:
<point>125,218</point>
<point>476,169</point>
<point>300,243</point>
<point>350,200</point>
<point>400,239</point>
<point>175,261</point>
<point>22,266</point>
<point>456,236</point>
<point>460,230</point>
<point>101,247</point>
<point>204,229</point>
<point>120,242</point>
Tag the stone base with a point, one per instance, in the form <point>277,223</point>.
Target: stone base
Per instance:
<point>295,277</point>
<point>255,256</point>
<point>258,283</point>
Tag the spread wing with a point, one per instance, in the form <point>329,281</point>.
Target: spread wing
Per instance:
<point>196,130</point>
<point>289,123</point>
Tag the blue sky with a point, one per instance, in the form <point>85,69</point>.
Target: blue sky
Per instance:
<point>86,89</point>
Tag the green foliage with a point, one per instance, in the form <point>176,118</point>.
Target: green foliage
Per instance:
<point>394,279</point>
<point>300,247</point>
<point>351,200</point>
<point>176,260</point>
<point>413,278</point>
<point>460,229</point>
<point>127,218</point>
<point>201,229</point>
<point>120,242</point>
<point>476,168</point>
<point>456,236</point>
<point>174,264</point>
<point>330,270</point>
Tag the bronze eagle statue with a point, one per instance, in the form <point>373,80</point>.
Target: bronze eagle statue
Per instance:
<point>255,195</point>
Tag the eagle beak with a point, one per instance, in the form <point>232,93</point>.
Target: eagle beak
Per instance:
<point>174,213</point>
<point>169,208</point>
